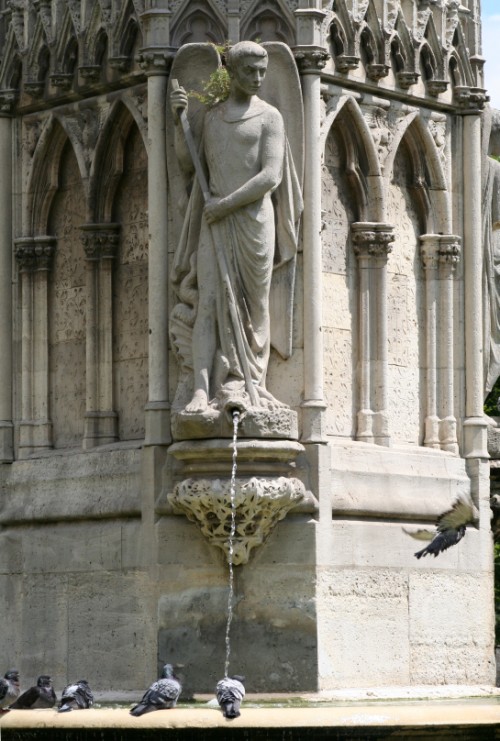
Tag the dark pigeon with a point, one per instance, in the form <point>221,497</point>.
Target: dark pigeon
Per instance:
<point>9,689</point>
<point>77,696</point>
<point>450,527</point>
<point>41,696</point>
<point>161,695</point>
<point>230,692</point>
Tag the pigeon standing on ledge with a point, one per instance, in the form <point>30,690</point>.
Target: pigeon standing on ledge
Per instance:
<point>9,689</point>
<point>76,696</point>
<point>450,527</point>
<point>161,695</point>
<point>41,696</point>
<point>230,692</point>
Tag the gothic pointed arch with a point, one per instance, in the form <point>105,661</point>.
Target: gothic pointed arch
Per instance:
<point>425,178</point>
<point>372,43</point>
<point>403,55</point>
<point>37,61</point>
<point>126,37</point>
<point>434,43</point>
<point>11,63</point>
<point>342,39</point>
<point>268,20</point>
<point>66,55</point>
<point>108,163</point>
<point>359,155</point>
<point>460,55</point>
<point>44,179</point>
<point>198,21</point>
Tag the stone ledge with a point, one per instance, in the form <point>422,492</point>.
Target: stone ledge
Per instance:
<point>471,713</point>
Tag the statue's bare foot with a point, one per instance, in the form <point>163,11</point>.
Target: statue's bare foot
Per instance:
<point>272,402</point>
<point>198,404</point>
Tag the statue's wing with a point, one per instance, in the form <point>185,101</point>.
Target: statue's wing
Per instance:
<point>281,88</point>
<point>192,67</point>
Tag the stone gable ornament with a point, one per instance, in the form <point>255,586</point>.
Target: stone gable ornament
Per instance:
<point>234,265</point>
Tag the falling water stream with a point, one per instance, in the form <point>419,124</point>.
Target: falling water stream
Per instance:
<point>236,419</point>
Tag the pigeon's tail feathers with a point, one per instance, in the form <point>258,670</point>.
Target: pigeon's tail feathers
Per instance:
<point>231,709</point>
<point>140,709</point>
<point>65,708</point>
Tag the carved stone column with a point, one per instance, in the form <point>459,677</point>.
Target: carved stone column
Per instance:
<point>6,425</point>
<point>471,101</point>
<point>449,256</point>
<point>311,59</point>
<point>100,242</point>
<point>156,61</point>
<point>429,251</point>
<point>34,255</point>
<point>372,245</point>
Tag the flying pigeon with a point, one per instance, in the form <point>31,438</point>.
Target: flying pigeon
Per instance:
<point>9,689</point>
<point>230,692</point>
<point>40,696</point>
<point>77,696</point>
<point>161,695</point>
<point>450,527</point>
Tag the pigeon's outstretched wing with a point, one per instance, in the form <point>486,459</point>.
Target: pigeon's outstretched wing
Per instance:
<point>9,688</point>
<point>450,527</point>
<point>40,696</point>
<point>230,692</point>
<point>76,696</point>
<point>161,695</point>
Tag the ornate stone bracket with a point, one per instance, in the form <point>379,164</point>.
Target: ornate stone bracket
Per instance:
<point>260,504</point>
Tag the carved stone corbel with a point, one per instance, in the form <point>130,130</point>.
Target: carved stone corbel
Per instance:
<point>260,503</point>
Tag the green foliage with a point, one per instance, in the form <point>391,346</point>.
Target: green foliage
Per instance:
<point>216,88</point>
<point>490,405</point>
<point>497,594</point>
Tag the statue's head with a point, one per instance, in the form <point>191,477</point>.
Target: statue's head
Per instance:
<point>247,64</point>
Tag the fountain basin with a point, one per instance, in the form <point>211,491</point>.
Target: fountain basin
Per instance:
<point>467,720</point>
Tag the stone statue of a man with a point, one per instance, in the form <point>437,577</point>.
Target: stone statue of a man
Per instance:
<point>246,156</point>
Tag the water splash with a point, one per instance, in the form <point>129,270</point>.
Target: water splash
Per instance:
<point>232,533</point>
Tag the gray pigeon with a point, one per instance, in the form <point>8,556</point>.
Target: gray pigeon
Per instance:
<point>9,688</point>
<point>77,696</point>
<point>450,527</point>
<point>230,692</point>
<point>40,696</point>
<point>161,695</point>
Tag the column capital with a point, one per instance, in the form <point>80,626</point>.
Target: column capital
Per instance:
<point>440,249</point>
<point>34,253</point>
<point>310,59</point>
<point>372,239</point>
<point>100,241</point>
<point>470,100</point>
<point>8,99</point>
<point>156,60</point>
<point>44,247</point>
<point>449,249</point>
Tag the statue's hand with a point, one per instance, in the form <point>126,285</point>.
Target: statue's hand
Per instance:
<point>215,209</point>
<point>178,101</point>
